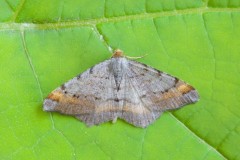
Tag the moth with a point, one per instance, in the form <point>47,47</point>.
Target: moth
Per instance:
<point>120,88</point>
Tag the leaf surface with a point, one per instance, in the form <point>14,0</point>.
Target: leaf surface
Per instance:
<point>45,43</point>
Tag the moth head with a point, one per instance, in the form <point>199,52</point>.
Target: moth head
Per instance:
<point>117,53</point>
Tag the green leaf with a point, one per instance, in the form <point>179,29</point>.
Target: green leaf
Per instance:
<point>45,43</point>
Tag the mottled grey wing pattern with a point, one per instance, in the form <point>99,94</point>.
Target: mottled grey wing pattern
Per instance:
<point>120,88</point>
<point>134,110</point>
<point>150,92</point>
<point>88,96</point>
<point>160,91</point>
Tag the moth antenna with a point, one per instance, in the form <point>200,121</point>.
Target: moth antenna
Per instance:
<point>138,57</point>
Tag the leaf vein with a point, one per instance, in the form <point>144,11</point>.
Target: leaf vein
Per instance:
<point>30,62</point>
<point>94,22</point>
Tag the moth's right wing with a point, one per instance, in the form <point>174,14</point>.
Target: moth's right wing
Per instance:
<point>150,92</point>
<point>160,91</point>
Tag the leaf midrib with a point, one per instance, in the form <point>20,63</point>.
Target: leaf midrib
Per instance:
<point>93,22</point>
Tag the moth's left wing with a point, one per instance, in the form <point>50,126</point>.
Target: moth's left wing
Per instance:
<point>89,96</point>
